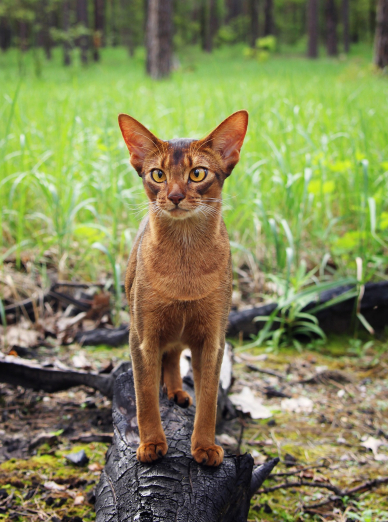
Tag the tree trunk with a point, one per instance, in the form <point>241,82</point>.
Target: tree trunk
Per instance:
<point>209,23</point>
<point>234,9</point>
<point>45,32</point>
<point>268,18</point>
<point>66,27</point>
<point>381,40</point>
<point>254,19</point>
<point>82,20</point>
<point>126,27</point>
<point>331,28</point>
<point>98,28</point>
<point>312,28</point>
<point>159,38</point>
<point>5,33</point>
<point>23,35</point>
<point>175,488</point>
<point>345,23</point>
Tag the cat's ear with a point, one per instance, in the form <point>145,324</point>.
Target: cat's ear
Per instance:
<point>139,140</point>
<point>228,137</point>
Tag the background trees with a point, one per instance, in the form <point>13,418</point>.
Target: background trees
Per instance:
<point>167,25</point>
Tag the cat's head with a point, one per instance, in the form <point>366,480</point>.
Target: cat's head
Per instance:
<point>183,177</point>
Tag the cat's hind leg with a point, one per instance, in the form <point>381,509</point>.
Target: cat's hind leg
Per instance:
<point>172,378</point>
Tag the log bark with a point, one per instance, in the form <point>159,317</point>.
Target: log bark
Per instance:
<point>19,372</point>
<point>381,39</point>
<point>175,488</point>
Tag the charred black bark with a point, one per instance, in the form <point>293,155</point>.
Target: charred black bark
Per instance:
<point>175,488</point>
<point>20,372</point>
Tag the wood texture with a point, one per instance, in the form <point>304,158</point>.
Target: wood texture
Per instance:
<point>175,488</point>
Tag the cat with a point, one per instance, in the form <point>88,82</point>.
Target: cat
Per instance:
<point>179,277</point>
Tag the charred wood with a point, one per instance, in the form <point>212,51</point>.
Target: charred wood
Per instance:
<point>176,487</point>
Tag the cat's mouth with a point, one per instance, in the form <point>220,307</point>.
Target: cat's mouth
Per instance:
<point>179,212</point>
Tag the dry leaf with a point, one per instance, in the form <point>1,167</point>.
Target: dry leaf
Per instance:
<point>247,402</point>
<point>53,486</point>
<point>297,405</point>
<point>79,499</point>
<point>95,466</point>
<point>227,440</point>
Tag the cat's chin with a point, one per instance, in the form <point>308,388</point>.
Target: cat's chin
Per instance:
<point>179,213</point>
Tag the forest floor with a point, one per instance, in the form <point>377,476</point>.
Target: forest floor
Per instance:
<point>336,436</point>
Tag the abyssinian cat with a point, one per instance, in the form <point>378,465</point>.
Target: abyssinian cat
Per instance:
<point>179,277</point>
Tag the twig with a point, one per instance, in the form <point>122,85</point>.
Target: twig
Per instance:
<point>339,493</point>
<point>267,372</point>
<point>289,473</point>
<point>302,483</point>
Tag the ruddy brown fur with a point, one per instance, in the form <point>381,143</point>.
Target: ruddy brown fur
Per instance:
<point>179,277</point>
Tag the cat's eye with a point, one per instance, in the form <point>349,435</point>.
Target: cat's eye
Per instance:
<point>198,174</point>
<point>158,175</point>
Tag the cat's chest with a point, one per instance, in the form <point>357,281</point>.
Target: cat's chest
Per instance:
<point>184,271</point>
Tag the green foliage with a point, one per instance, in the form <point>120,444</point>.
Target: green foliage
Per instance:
<point>66,182</point>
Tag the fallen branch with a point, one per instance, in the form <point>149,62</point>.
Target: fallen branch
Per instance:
<point>20,372</point>
<point>175,488</point>
<point>338,492</point>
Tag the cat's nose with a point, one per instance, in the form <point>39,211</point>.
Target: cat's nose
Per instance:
<point>176,197</point>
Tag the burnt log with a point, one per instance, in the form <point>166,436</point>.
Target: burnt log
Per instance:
<point>334,319</point>
<point>175,488</point>
<point>19,372</point>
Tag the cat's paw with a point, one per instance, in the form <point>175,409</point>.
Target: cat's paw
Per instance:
<point>182,398</point>
<point>150,451</point>
<point>210,456</point>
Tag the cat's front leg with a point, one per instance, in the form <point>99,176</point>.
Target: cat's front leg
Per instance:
<point>206,368</point>
<point>146,363</point>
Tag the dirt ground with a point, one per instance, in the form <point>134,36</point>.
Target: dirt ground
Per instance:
<point>334,435</point>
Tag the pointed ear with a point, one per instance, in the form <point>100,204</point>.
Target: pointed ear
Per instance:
<point>228,137</point>
<point>139,140</point>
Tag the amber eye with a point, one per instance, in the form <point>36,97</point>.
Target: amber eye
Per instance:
<point>158,175</point>
<point>198,174</point>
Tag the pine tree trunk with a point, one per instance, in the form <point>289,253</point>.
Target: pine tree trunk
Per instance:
<point>82,20</point>
<point>331,28</point>
<point>5,33</point>
<point>98,28</point>
<point>23,35</point>
<point>254,19</point>
<point>66,27</point>
<point>345,23</point>
<point>268,18</point>
<point>45,33</point>
<point>159,38</point>
<point>312,28</point>
<point>381,40</point>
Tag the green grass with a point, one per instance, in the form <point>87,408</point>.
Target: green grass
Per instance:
<point>313,174</point>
